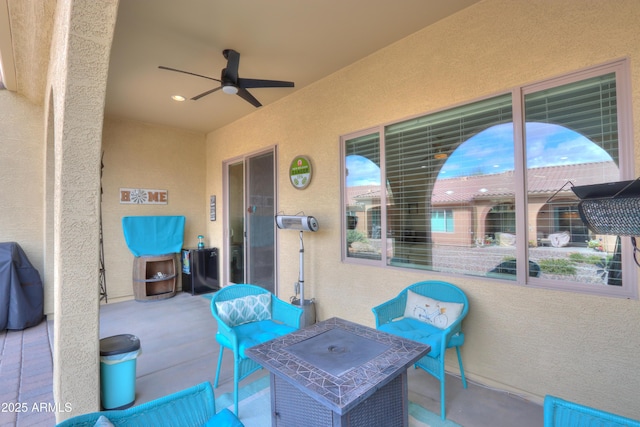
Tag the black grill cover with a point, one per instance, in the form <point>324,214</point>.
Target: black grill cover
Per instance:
<point>21,292</point>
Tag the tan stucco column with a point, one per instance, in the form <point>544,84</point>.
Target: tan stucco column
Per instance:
<point>81,45</point>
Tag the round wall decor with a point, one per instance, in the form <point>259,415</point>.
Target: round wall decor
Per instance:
<point>300,172</point>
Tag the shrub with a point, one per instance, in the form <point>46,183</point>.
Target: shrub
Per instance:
<point>558,266</point>
<point>586,259</point>
<point>356,236</point>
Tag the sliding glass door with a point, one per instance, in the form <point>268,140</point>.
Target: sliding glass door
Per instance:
<point>250,220</point>
<point>235,222</point>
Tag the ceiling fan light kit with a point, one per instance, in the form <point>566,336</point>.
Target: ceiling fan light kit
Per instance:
<point>231,83</point>
<point>230,89</point>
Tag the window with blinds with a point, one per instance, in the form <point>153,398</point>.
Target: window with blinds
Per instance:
<point>484,188</point>
<point>444,161</point>
<point>571,139</point>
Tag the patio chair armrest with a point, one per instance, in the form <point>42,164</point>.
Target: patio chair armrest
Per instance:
<point>389,310</point>
<point>456,326</point>
<point>228,333</point>
<point>286,313</point>
<point>223,329</point>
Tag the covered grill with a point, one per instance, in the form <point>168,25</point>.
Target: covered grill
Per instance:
<point>21,291</point>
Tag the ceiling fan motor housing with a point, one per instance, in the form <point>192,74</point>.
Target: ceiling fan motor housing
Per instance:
<point>228,85</point>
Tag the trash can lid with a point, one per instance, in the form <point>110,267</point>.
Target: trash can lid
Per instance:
<point>119,344</point>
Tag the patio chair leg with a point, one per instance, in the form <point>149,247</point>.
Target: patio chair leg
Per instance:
<point>236,380</point>
<point>442,397</point>
<point>464,379</point>
<point>215,383</point>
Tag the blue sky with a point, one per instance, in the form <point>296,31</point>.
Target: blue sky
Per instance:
<point>362,171</point>
<point>491,151</point>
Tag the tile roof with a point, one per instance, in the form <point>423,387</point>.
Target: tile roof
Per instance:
<point>541,181</point>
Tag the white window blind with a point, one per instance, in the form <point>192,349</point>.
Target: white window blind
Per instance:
<point>589,154</point>
<point>424,176</point>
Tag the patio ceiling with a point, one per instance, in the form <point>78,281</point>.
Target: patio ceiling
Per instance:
<point>289,40</point>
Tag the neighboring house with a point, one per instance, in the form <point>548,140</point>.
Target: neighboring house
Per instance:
<point>474,210</point>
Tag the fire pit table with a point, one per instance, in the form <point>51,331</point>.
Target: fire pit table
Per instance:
<point>338,373</point>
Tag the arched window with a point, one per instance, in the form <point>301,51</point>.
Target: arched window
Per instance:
<point>486,182</point>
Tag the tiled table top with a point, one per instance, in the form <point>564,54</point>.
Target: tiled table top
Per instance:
<point>336,362</point>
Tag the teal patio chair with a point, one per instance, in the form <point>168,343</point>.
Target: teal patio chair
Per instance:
<point>191,407</point>
<point>562,413</point>
<point>429,312</point>
<point>249,315</point>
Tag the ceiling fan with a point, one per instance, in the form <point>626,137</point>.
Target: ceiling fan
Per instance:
<point>231,83</point>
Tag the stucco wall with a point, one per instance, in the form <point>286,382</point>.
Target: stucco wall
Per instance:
<point>22,167</point>
<point>139,155</point>
<point>76,85</point>
<point>527,340</point>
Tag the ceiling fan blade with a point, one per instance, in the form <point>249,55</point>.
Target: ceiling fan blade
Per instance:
<point>162,67</point>
<point>256,83</point>
<point>244,94</point>
<point>195,98</point>
<point>233,62</point>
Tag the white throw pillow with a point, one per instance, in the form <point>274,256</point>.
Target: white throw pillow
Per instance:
<point>252,308</point>
<point>440,314</point>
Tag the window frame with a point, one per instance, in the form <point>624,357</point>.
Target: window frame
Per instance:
<point>629,288</point>
<point>343,189</point>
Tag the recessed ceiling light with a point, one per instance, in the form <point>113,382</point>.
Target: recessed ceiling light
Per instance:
<point>178,98</point>
<point>483,190</point>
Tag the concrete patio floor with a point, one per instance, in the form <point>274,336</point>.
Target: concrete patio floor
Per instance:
<point>179,350</point>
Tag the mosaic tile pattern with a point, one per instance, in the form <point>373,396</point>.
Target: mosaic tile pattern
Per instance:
<point>343,392</point>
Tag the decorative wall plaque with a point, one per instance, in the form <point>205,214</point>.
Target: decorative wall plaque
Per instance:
<point>300,172</point>
<point>143,196</point>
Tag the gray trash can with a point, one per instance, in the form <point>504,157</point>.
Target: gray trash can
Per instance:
<point>118,356</point>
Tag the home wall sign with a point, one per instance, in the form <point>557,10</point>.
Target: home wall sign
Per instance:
<point>143,196</point>
<point>300,172</point>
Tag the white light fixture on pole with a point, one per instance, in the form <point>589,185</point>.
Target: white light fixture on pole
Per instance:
<point>302,223</point>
